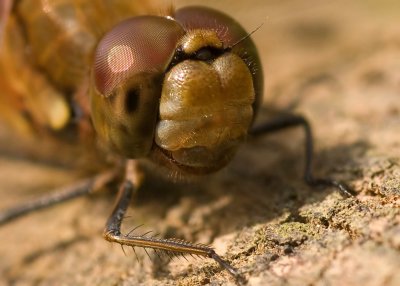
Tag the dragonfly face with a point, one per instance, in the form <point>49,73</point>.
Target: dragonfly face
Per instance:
<point>182,90</point>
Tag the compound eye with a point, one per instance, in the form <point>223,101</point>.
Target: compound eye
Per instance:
<point>227,29</point>
<point>127,73</point>
<point>142,44</point>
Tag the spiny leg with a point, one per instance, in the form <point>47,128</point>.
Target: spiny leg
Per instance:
<point>293,120</point>
<point>63,194</point>
<point>113,233</point>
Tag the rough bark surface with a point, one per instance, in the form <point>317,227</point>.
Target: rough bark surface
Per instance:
<point>336,62</point>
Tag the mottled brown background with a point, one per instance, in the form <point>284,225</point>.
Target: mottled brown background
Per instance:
<point>337,62</point>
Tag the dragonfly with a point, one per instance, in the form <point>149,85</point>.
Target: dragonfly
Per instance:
<point>180,88</point>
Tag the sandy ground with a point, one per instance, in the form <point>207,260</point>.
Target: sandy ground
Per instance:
<point>336,62</point>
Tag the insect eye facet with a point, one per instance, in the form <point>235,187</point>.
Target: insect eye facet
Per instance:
<point>126,81</point>
<point>140,44</point>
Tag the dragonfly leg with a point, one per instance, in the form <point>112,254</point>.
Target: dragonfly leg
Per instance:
<point>292,120</point>
<point>112,232</point>
<point>63,194</point>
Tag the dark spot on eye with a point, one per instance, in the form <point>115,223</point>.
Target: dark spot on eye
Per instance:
<point>132,100</point>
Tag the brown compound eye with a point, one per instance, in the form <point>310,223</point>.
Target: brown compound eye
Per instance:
<point>137,45</point>
<point>128,66</point>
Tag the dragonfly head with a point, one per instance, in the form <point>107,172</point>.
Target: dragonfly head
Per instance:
<point>182,90</point>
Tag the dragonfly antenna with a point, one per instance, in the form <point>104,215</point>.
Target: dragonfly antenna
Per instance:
<point>248,35</point>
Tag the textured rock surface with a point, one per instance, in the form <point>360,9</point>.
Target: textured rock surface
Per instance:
<point>336,62</point>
